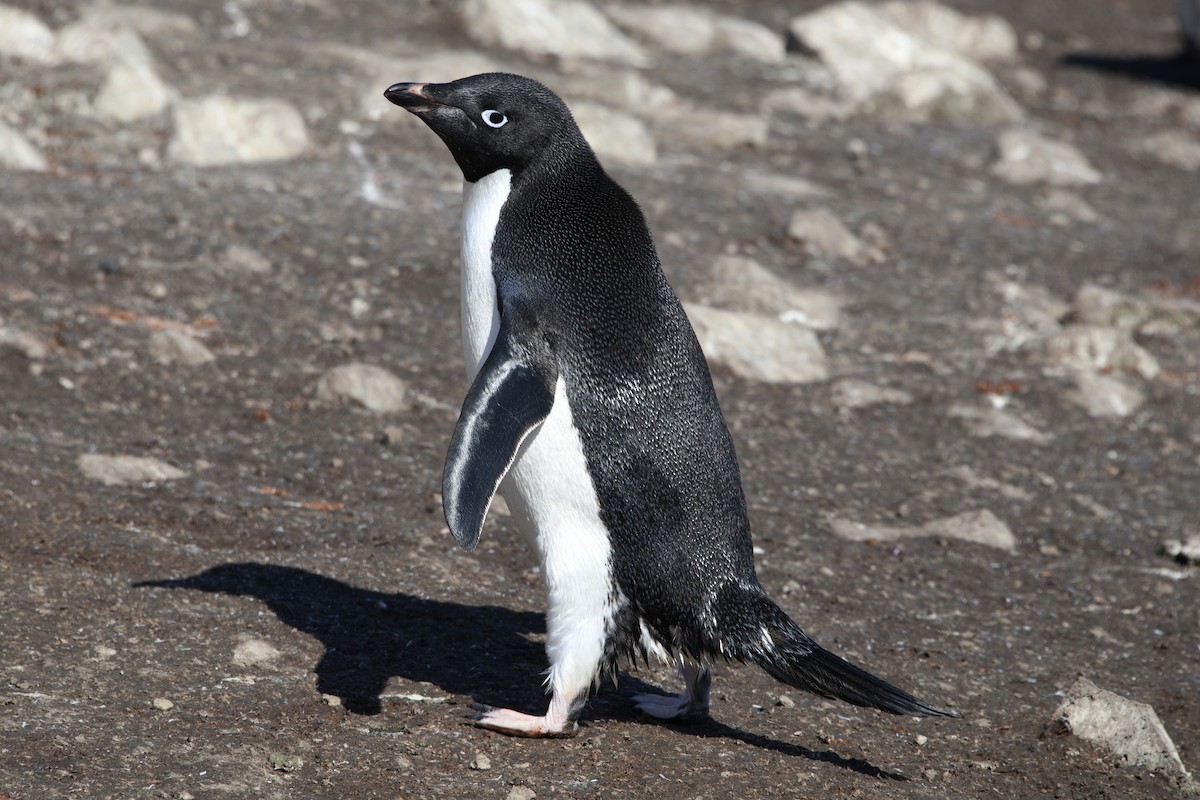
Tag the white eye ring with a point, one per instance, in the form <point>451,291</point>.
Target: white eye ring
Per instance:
<point>494,119</point>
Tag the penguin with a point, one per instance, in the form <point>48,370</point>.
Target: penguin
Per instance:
<point>592,411</point>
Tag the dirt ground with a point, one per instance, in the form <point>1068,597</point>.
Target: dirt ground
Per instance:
<point>291,619</point>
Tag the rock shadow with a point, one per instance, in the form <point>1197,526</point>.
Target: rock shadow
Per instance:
<point>372,636</point>
<point>1181,70</point>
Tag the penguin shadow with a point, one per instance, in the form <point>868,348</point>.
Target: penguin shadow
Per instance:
<point>489,653</point>
<point>621,709</point>
<point>369,637</point>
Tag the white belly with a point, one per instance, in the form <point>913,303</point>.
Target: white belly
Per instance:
<point>548,487</point>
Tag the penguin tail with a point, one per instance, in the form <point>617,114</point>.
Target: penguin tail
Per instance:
<point>772,641</point>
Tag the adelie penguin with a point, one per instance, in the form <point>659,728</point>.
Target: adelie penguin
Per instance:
<point>591,409</point>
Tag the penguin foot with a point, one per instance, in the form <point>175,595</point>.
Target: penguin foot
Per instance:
<point>676,707</point>
<point>514,723</point>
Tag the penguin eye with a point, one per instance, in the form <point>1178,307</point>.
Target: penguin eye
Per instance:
<point>494,119</point>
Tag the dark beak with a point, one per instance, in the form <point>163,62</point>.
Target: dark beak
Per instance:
<point>411,97</point>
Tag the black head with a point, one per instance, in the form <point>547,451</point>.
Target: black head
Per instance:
<point>493,121</point>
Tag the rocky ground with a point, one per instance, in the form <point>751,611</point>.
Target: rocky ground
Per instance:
<point>946,270</point>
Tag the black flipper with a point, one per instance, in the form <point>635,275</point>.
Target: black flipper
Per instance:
<point>795,659</point>
<point>511,395</point>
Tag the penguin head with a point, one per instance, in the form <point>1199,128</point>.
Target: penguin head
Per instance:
<point>493,121</point>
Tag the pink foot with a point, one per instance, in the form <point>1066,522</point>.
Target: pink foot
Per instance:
<point>514,723</point>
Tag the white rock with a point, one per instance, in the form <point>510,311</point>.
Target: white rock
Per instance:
<point>852,393</point>
<point>144,19</point>
<point>177,347</point>
<point>246,260</point>
<point>693,31</point>
<point>986,422</point>
<point>824,236</point>
<point>1069,205</point>
<point>1028,157</point>
<point>1098,348</point>
<point>977,527</point>
<point>23,35</point>
<point>119,470</point>
<point>12,338</point>
<point>162,704</point>
<point>96,40</point>
<point>742,284</point>
<point>1186,551</point>
<point>371,387</point>
<point>1129,730</point>
<point>758,347</point>
<point>807,104</point>
<point>1175,148</point>
<point>1104,396</point>
<point>787,186</point>
<point>254,653</point>
<point>1098,305</point>
<point>615,135</point>
<point>564,28</point>
<point>986,37</point>
<point>882,67</point>
<point>711,129</point>
<point>17,153</point>
<point>622,88</point>
<point>132,92</point>
<point>220,130</point>
<point>520,793</point>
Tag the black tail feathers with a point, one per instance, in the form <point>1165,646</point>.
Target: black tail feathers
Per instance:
<point>770,639</point>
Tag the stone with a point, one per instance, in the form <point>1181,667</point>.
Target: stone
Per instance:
<point>1098,348</point>
<point>1129,731</point>
<point>984,37</point>
<point>1175,148</point>
<point>790,187</point>
<point>366,386</point>
<point>17,340</point>
<point>245,260</point>
<point>132,92</point>
<point>162,704</point>
<point>738,283</point>
<point>285,762</point>
<point>692,31</point>
<point>824,236</point>
<point>23,35</point>
<point>1104,395</point>
<point>17,153</point>
<point>520,793</point>
<point>713,130</point>
<point>1028,157</point>
<point>1067,206</point>
<point>221,130</point>
<point>481,762</point>
<point>758,347</point>
<point>254,653</point>
<point>122,470</point>
<point>1098,305</point>
<point>978,527</point>
<point>1185,551</point>
<point>622,88</point>
<point>96,40</point>
<point>853,393</point>
<point>563,28</point>
<point>990,421</point>
<point>804,103</point>
<point>177,347</point>
<point>615,135</point>
<point>883,68</point>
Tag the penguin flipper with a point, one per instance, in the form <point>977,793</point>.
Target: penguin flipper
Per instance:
<point>512,394</point>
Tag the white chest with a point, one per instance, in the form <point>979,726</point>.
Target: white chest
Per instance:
<point>482,202</point>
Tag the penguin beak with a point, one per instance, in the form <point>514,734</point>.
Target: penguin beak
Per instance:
<point>411,97</point>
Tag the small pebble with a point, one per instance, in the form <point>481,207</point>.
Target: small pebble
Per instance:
<point>481,762</point>
<point>162,704</point>
<point>921,739</point>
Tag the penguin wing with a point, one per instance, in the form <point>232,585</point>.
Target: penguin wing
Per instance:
<point>511,395</point>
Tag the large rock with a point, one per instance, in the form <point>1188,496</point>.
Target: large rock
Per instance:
<point>977,527</point>
<point>742,284</point>
<point>1097,305</point>
<point>220,130</point>
<point>615,135</point>
<point>17,153</point>
<point>131,92</point>
<point>1128,730</point>
<point>97,40</point>
<point>1104,395</point>
<point>23,35</point>
<point>1029,157</point>
<point>985,37</point>
<point>881,66</point>
<point>759,347</point>
<point>564,28</point>
<point>1099,349</point>
<point>824,236</point>
<point>176,347</point>
<point>986,422</point>
<point>711,130</point>
<point>120,470</point>
<point>1175,148</point>
<point>370,387</point>
<point>692,31</point>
